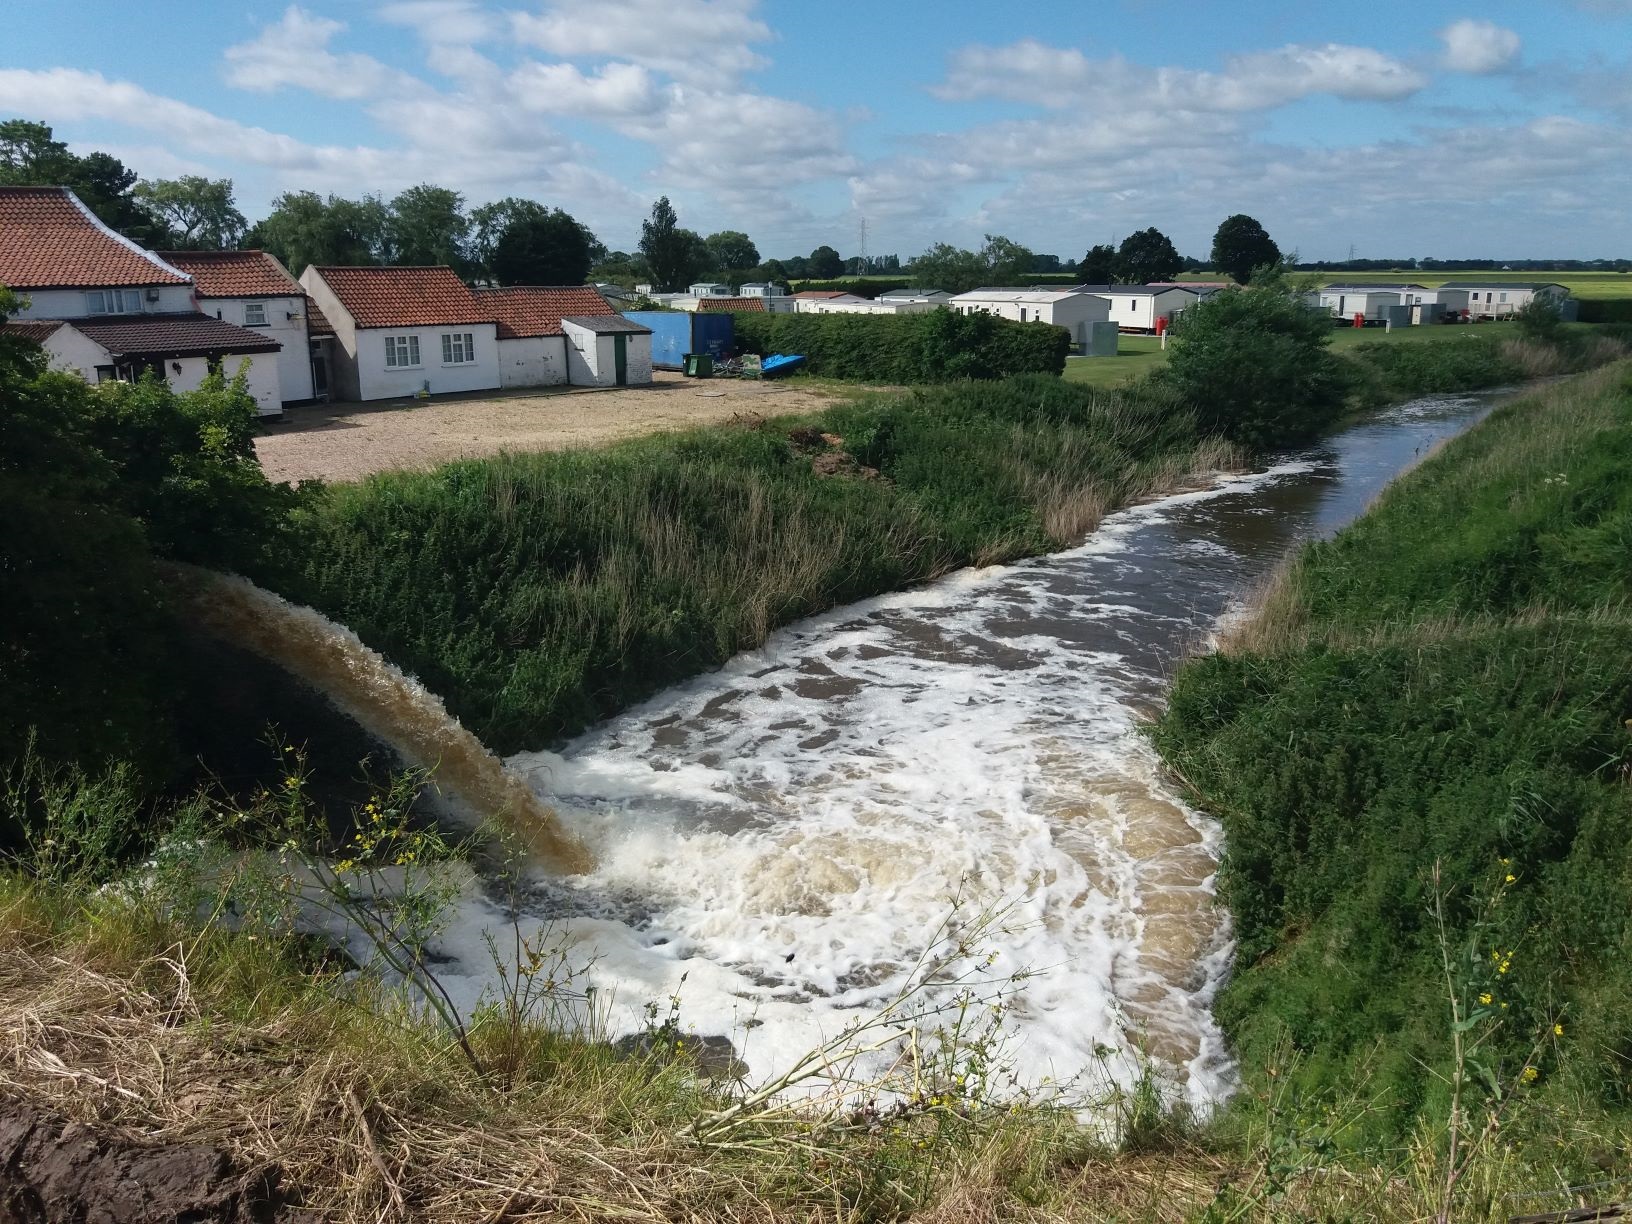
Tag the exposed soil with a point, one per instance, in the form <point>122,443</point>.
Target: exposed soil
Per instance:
<point>350,441</point>
<point>53,1171</point>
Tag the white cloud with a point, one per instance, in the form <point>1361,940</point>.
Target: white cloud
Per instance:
<point>294,53</point>
<point>615,91</point>
<point>1478,47</point>
<point>1059,78</point>
<point>703,42</point>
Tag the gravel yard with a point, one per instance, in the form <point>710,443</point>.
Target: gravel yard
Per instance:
<point>349,441</point>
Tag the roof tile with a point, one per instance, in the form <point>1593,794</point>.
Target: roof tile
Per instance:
<point>718,305</point>
<point>537,310</point>
<point>234,273</point>
<point>405,297</point>
<point>49,240</point>
<point>172,335</point>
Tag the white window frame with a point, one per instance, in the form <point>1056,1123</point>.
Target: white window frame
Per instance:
<point>250,310</point>
<point>458,348</point>
<point>402,353</point>
<point>113,301</point>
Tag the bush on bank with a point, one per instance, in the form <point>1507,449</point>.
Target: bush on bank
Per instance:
<point>1446,682</point>
<point>930,347</point>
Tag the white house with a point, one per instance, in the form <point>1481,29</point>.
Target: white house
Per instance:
<point>1369,301</point>
<point>1136,308</point>
<point>859,305</point>
<point>535,349</point>
<point>1493,299</point>
<point>776,298</point>
<point>400,331</point>
<point>935,297</point>
<point>1428,305</point>
<point>106,309</point>
<point>252,289</point>
<point>607,350</point>
<point>805,301</point>
<point>704,289</point>
<point>1062,307</point>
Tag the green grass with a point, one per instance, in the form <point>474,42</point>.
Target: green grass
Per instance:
<point>1446,683</point>
<point>1137,356</point>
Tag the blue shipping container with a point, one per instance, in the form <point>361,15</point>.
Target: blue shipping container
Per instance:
<point>676,333</point>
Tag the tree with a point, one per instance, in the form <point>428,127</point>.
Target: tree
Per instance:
<point>200,212</point>
<point>549,249</point>
<point>731,251</point>
<point>1098,267</point>
<point>303,229</point>
<point>30,156</point>
<point>1145,256</point>
<point>1000,261</point>
<point>826,263</point>
<point>674,255</point>
<point>1240,245</point>
<point>621,268</point>
<point>488,223</point>
<point>1254,366</point>
<point>428,226</point>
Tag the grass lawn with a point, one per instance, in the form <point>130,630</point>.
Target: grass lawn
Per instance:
<point>1137,356</point>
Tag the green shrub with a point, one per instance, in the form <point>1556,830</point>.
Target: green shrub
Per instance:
<point>1605,310</point>
<point>1254,367</point>
<point>929,347</point>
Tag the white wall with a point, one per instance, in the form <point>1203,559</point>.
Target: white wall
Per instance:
<point>592,359</point>
<point>376,381</point>
<point>866,307</point>
<point>1139,311</point>
<point>533,361</point>
<point>638,360</point>
<point>70,303</point>
<point>295,359</point>
<point>344,380</point>
<point>261,370</point>
<point>75,352</point>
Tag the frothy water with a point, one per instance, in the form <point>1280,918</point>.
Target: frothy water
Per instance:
<point>776,841</point>
<point>392,706</point>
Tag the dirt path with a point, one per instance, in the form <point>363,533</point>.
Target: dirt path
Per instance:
<point>349,441</point>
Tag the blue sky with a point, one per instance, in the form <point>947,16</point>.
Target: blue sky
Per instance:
<point>1450,129</point>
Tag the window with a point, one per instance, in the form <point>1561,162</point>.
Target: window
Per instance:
<point>458,348</point>
<point>113,301</point>
<point>1503,298</point>
<point>401,352</point>
<point>1133,303</point>
<point>106,373</point>
<point>254,314</point>
<point>1022,314</point>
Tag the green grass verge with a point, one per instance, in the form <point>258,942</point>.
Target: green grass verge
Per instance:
<point>1446,684</point>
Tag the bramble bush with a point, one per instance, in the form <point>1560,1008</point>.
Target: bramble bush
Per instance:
<point>930,347</point>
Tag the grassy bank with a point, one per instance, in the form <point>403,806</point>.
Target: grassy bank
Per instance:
<point>538,593</point>
<point>1421,751</point>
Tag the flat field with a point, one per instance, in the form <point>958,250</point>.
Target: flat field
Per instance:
<point>1137,356</point>
<point>1581,284</point>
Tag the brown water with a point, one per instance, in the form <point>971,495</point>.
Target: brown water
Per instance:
<point>390,705</point>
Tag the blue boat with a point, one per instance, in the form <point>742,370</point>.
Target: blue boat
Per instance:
<point>779,364</point>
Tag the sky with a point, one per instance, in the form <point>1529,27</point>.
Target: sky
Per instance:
<point>1392,127</point>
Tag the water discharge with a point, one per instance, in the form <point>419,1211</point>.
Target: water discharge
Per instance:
<point>393,707</point>
<point>774,842</point>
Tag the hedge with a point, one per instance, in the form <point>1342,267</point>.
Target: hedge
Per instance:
<point>1606,310</point>
<point>930,347</point>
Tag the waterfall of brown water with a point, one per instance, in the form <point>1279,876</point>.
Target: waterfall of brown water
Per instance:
<point>393,706</point>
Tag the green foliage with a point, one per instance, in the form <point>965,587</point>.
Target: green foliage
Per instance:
<point>1392,372</point>
<point>826,262</point>
<point>96,483</point>
<point>1255,368</point>
<point>1540,319</point>
<point>1606,310</point>
<point>199,212</point>
<point>674,255</point>
<point>1145,256</point>
<point>1454,690</point>
<point>305,229</point>
<point>1241,246</point>
<point>1098,267</point>
<point>933,346</point>
<point>539,593</point>
<point>860,286</point>
<point>428,226</point>
<point>999,262</point>
<point>548,249</point>
<point>731,251</point>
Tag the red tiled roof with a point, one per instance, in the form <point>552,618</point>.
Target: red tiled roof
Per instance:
<point>822,293</point>
<point>717,305</point>
<point>234,273</point>
<point>537,310</point>
<point>37,330</point>
<point>404,297</point>
<point>172,335</point>
<point>317,323</point>
<point>49,240</point>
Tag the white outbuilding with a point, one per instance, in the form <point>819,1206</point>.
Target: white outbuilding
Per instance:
<point>1065,308</point>
<point>252,289</point>
<point>1139,308</point>
<point>607,350</point>
<point>935,297</point>
<point>1494,299</point>
<point>534,349</point>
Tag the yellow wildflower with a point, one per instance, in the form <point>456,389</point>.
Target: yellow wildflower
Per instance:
<point>1558,1030</point>
<point>1511,877</point>
<point>1529,1074</point>
<point>1485,998</point>
<point>291,782</point>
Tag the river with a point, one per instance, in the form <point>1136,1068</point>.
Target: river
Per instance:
<point>776,841</point>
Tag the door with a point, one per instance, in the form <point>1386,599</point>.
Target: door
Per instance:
<point>320,377</point>
<point>620,358</point>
